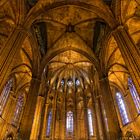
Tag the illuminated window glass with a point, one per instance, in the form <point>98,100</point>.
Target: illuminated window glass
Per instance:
<point>69,122</point>
<point>4,95</point>
<point>18,110</point>
<point>62,82</point>
<point>77,82</point>
<point>49,124</point>
<point>122,108</point>
<point>90,122</point>
<point>70,83</point>
<point>134,94</point>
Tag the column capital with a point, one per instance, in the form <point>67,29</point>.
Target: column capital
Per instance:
<point>103,78</point>
<point>119,27</point>
<point>41,97</point>
<point>98,97</point>
<point>46,104</point>
<point>36,79</point>
<point>22,29</point>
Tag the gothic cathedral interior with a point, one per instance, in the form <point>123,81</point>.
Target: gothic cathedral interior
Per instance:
<point>69,69</point>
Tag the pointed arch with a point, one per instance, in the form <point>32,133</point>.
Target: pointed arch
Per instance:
<point>99,8</point>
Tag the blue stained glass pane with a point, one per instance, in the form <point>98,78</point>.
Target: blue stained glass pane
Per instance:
<point>134,94</point>
<point>5,93</point>
<point>18,110</point>
<point>77,82</point>
<point>122,109</point>
<point>62,82</point>
<point>49,124</point>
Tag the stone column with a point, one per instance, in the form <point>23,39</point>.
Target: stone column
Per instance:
<point>95,123</point>
<point>61,126</point>
<point>78,124</point>
<point>130,53</point>
<point>86,116</point>
<point>97,104</point>
<point>108,110</point>
<point>43,135</point>
<point>29,110</point>
<point>11,48</point>
<point>76,136</point>
<point>61,129</point>
<point>64,135</point>
<point>37,118</point>
<point>86,124</point>
<point>100,119</point>
<point>54,116</point>
<point>44,89</point>
<point>37,122</point>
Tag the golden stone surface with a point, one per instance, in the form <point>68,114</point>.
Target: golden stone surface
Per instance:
<point>88,40</point>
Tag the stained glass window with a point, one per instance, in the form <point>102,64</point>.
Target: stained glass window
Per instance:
<point>49,124</point>
<point>69,122</point>
<point>4,95</point>
<point>18,110</point>
<point>77,82</point>
<point>70,83</point>
<point>134,94</point>
<point>122,108</point>
<point>90,124</point>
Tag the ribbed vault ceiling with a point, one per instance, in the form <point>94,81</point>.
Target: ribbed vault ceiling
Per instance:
<point>62,25</point>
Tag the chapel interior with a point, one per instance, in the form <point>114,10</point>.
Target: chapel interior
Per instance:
<point>69,69</point>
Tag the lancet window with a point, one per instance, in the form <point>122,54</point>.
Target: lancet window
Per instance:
<point>4,95</point>
<point>134,94</point>
<point>122,108</point>
<point>90,122</point>
<point>49,124</point>
<point>18,110</point>
<point>69,122</point>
